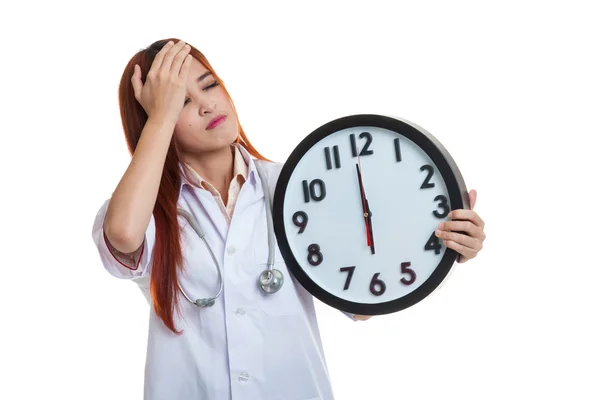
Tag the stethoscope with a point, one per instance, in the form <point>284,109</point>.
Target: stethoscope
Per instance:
<point>270,280</point>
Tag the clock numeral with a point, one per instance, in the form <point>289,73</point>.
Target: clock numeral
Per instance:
<point>311,193</point>
<point>365,150</point>
<point>350,271</point>
<point>336,157</point>
<point>443,203</point>
<point>405,269</point>
<point>433,243</point>
<point>300,219</point>
<point>315,257</point>
<point>426,184</point>
<point>377,286</point>
<point>397,147</point>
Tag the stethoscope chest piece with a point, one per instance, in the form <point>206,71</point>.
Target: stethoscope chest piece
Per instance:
<point>205,302</point>
<point>271,280</point>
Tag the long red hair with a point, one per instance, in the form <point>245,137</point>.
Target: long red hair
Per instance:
<point>167,256</point>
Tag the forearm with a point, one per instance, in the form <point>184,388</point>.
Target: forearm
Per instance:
<point>133,200</point>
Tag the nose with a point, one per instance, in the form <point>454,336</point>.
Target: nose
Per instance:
<point>206,108</point>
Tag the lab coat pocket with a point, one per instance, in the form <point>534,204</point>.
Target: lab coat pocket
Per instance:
<point>283,302</point>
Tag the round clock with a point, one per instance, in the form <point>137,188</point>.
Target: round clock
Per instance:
<point>355,209</point>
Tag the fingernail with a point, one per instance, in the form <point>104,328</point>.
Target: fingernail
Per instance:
<point>440,225</point>
<point>438,232</point>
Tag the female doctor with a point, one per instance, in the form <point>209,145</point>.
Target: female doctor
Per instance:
<point>188,223</point>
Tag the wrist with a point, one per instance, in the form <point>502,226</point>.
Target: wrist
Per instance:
<point>161,124</point>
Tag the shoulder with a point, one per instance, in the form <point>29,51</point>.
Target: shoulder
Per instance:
<point>269,164</point>
<point>272,169</point>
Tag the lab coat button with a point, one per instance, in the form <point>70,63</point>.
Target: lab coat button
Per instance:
<point>243,377</point>
<point>231,250</point>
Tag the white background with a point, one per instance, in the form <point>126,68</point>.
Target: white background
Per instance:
<point>510,88</point>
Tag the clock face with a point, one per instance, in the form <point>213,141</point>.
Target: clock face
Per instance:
<point>355,210</point>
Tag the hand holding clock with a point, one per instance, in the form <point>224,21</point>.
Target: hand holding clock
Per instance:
<point>422,182</point>
<point>465,233</point>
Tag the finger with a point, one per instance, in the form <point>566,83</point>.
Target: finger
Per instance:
<point>167,62</point>
<point>472,198</point>
<point>158,59</point>
<point>185,68</point>
<point>462,226</point>
<point>460,249</point>
<point>465,240</point>
<point>467,215</point>
<point>178,60</point>
<point>136,81</point>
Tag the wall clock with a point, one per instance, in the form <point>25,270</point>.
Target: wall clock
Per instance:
<point>355,209</point>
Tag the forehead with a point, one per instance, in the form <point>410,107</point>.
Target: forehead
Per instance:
<point>197,69</point>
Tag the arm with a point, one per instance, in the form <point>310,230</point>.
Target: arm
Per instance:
<point>162,96</point>
<point>132,202</point>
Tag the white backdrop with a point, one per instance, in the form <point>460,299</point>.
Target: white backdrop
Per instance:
<point>510,88</point>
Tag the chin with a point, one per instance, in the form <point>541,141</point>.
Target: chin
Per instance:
<point>231,132</point>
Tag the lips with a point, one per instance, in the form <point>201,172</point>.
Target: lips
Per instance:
<point>218,120</point>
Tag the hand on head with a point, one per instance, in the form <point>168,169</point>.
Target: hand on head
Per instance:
<point>162,95</point>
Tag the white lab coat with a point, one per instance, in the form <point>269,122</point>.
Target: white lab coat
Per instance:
<point>249,345</point>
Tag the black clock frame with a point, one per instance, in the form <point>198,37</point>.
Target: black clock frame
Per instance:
<point>457,192</point>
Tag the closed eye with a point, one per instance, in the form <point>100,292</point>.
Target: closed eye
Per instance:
<point>212,85</point>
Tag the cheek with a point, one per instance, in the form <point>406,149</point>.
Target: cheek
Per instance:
<point>233,120</point>
<point>185,119</point>
<point>185,124</point>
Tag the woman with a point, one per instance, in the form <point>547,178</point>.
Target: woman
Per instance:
<point>189,151</point>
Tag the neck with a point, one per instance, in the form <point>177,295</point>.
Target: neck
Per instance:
<point>216,167</point>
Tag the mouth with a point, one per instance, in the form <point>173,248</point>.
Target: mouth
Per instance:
<point>218,120</point>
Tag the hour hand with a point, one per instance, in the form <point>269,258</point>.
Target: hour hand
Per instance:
<point>370,226</point>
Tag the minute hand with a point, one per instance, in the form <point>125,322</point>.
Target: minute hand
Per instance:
<point>364,205</point>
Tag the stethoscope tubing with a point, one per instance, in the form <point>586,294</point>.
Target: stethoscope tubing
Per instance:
<point>207,302</point>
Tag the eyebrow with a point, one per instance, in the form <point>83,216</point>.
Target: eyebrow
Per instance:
<point>204,75</point>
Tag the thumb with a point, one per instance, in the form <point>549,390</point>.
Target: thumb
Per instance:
<point>472,198</point>
<point>136,81</point>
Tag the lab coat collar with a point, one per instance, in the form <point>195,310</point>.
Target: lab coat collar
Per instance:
<point>251,178</point>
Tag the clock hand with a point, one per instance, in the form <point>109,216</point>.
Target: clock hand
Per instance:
<point>364,202</point>
<point>367,211</point>
<point>370,227</point>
